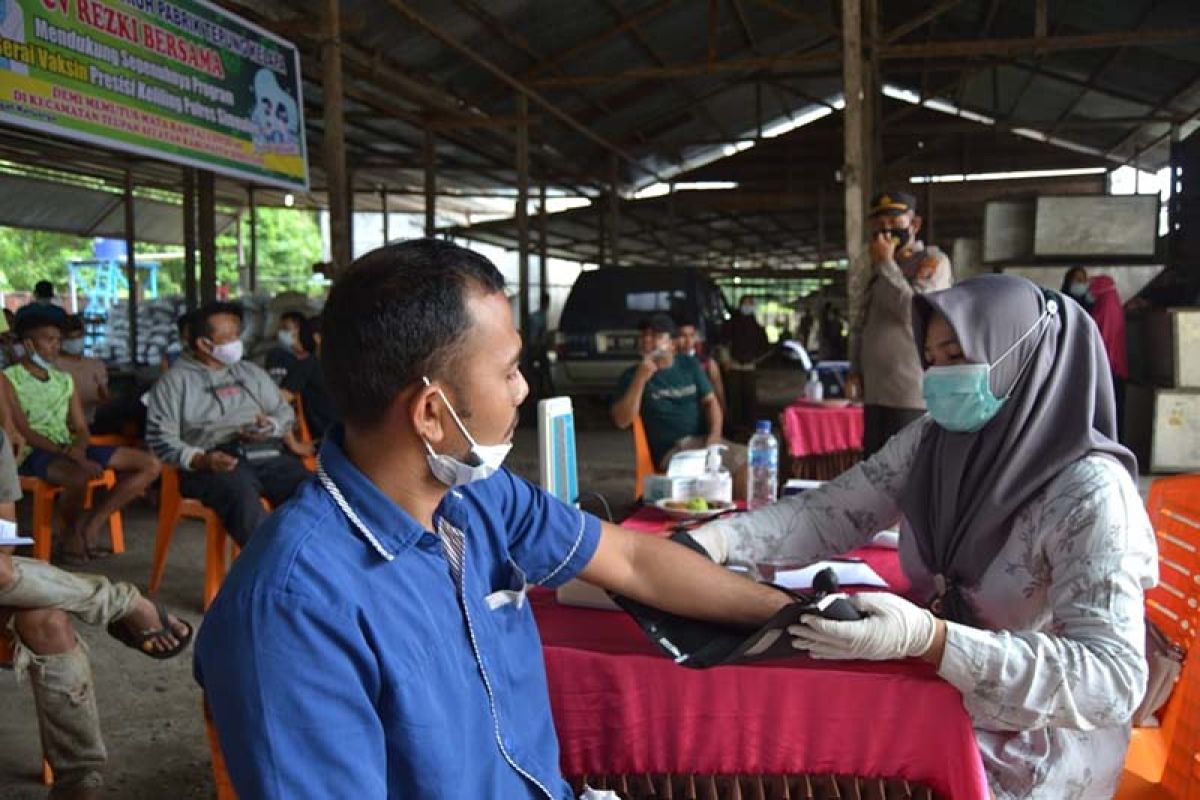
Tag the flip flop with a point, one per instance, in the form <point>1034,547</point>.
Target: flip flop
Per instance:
<point>140,641</point>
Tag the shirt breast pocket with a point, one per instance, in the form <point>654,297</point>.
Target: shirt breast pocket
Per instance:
<point>512,598</point>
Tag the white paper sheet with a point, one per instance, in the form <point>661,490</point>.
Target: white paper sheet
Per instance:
<point>9,536</point>
<point>849,573</point>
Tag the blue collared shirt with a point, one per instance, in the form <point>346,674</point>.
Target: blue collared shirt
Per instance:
<point>337,668</point>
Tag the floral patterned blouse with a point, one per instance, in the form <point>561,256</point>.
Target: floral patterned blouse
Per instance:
<point>1052,679</point>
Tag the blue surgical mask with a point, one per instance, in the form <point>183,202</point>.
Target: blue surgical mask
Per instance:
<point>1078,288</point>
<point>960,397</point>
<point>36,358</point>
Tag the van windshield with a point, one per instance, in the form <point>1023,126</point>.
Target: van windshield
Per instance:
<point>607,301</point>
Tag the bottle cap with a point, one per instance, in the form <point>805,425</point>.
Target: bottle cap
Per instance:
<point>763,426</point>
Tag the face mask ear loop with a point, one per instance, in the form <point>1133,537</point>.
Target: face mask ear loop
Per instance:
<point>454,414</point>
<point>1051,311</point>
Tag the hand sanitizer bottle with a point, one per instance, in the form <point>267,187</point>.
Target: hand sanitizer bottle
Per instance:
<point>716,483</point>
<point>814,390</point>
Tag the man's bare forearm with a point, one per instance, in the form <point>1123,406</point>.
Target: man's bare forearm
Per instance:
<point>665,575</point>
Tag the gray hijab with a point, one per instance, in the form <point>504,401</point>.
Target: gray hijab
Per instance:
<point>965,488</point>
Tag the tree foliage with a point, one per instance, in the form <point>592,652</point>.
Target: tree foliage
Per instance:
<point>289,243</point>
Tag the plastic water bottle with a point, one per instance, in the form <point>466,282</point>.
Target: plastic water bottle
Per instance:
<point>762,479</point>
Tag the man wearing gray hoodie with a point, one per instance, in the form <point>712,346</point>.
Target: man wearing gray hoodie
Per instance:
<point>222,422</point>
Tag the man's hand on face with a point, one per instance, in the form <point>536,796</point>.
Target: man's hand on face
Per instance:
<point>882,248</point>
<point>649,364</point>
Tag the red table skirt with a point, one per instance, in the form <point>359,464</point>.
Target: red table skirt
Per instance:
<point>813,430</point>
<point>624,712</point>
<point>753,787</point>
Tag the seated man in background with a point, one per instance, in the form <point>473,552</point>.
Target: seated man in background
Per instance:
<point>42,305</point>
<point>222,421</point>
<point>689,343</point>
<point>294,365</point>
<point>49,415</point>
<point>183,328</point>
<point>37,602</point>
<point>675,400</point>
<point>90,374</point>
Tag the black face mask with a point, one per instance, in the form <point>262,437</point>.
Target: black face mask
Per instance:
<point>901,235</point>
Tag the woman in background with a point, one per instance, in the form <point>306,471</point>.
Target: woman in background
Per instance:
<point>1075,286</point>
<point>1110,319</point>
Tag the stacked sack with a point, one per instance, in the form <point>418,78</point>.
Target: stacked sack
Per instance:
<point>156,326</point>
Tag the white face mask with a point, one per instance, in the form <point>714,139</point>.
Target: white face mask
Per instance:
<point>73,347</point>
<point>452,472</point>
<point>286,338</point>
<point>229,353</point>
<point>36,358</point>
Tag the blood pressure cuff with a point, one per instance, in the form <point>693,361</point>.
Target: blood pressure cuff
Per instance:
<point>699,644</point>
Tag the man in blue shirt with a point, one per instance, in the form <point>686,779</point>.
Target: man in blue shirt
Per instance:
<point>374,638</point>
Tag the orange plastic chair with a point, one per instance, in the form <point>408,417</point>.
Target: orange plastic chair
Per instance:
<point>1174,605</point>
<point>645,462</point>
<point>224,785</point>
<point>43,494</point>
<point>173,506</point>
<point>7,653</point>
<point>302,431</point>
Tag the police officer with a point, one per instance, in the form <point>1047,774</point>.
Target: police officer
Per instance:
<point>885,367</point>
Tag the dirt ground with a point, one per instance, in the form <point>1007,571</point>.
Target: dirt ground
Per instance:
<point>150,710</point>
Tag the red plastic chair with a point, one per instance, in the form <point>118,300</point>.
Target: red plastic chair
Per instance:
<point>1164,762</point>
<point>43,494</point>
<point>224,785</point>
<point>645,462</point>
<point>172,507</point>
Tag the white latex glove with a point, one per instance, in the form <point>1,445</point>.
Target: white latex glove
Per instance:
<point>714,542</point>
<point>595,794</point>
<point>893,628</point>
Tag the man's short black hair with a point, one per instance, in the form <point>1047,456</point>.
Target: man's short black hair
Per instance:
<point>684,319</point>
<point>183,325</point>
<point>74,324</point>
<point>34,320</point>
<point>398,313</point>
<point>659,323</point>
<point>201,319</point>
<point>295,316</point>
<point>43,289</point>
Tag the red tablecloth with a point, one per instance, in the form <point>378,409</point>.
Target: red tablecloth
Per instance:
<point>812,429</point>
<point>621,707</point>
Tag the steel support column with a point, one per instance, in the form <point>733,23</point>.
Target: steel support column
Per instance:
<point>336,183</point>
<point>189,238</point>
<point>131,266</point>
<point>522,210</point>
<point>207,231</point>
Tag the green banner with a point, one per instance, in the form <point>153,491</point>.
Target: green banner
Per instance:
<point>183,81</point>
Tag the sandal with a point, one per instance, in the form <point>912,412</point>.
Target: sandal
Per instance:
<point>140,641</point>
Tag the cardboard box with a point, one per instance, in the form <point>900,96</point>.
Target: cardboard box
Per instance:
<point>666,487</point>
<point>1162,428</point>
<point>1176,442</point>
<point>1170,342</point>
